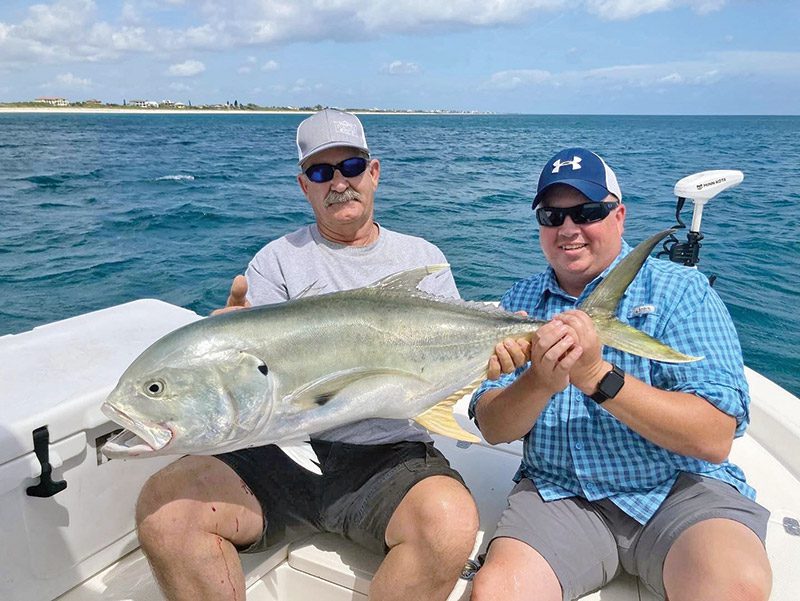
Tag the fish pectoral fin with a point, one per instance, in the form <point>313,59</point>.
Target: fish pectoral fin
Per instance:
<point>440,419</point>
<point>408,279</point>
<point>318,392</point>
<point>623,337</point>
<point>302,453</point>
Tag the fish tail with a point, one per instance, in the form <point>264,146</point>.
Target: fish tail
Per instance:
<point>601,306</point>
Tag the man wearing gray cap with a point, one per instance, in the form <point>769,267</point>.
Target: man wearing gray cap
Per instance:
<point>383,484</point>
<point>625,463</point>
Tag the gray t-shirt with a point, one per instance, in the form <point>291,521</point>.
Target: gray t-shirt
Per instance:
<point>289,265</point>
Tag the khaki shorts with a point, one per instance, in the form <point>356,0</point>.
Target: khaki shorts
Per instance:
<point>587,544</point>
<point>357,494</point>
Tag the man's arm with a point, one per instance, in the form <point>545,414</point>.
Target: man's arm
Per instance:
<point>678,421</point>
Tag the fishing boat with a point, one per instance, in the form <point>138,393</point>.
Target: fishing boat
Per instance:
<point>67,512</point>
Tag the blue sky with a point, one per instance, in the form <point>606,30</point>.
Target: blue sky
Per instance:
<point>520,56</point>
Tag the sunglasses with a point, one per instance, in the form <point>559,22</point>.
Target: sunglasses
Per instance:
<point>323,172</point>
<point>588,212</point>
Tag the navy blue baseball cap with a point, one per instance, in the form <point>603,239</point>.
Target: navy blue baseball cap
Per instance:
<point>583,170</point>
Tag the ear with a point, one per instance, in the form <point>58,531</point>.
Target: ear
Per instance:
<point>301,179</point>
<point>620,218</point>
<point>375,171</point>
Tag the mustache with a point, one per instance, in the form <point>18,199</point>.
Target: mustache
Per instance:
<point>334,197</point>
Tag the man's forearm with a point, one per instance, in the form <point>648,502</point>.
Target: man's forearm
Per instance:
<point>507,414</point>
<point>677,421</point>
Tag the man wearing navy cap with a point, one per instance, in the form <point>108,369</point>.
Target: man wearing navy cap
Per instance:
<point>625,459</point>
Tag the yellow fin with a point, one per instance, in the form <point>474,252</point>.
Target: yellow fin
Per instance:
<point>440,419</point>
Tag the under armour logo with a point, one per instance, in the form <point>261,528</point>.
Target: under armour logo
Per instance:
<point>575,163</point>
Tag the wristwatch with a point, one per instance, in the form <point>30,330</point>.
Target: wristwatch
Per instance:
<point>609,386</point>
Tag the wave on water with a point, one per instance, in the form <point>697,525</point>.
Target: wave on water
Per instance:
<point>57,179</point>
<point>176,178</point>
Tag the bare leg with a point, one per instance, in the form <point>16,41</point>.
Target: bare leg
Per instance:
<point>514,571</point>
<point>189,516</point>
<point>430,536</point>
<point>717,559</point>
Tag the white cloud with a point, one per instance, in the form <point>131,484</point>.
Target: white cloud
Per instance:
<point>400,68</point>
<point>68,31</point>
<point>69,80</point>
<point>705,71</point>
<point>512,79</point>
<point>630,9</point>
<point>244,70</point>
<point>188,68</point>
<point>270,65</point>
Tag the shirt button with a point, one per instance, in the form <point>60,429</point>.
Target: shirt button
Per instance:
<point>578,446</point>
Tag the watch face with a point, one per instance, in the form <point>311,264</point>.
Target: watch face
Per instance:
<point>610,385</point>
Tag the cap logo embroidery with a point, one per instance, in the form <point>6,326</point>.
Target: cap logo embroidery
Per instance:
<point>575,163</point>
<point>343,127</point>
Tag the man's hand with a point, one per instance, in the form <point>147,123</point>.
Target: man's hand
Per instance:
<point>237,299</point>
<point>554,353</point>
<point>509,355</point>
<point>590,367</point>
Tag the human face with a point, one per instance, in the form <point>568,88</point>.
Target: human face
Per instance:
<point>579,253</point>
<point>342,218</point>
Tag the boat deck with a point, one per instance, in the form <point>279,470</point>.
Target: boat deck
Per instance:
<point>327,568</point>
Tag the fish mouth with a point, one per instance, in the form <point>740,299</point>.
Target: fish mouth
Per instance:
<point>137,438</point>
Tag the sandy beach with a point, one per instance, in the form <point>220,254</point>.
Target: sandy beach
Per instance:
<point>126,111</point>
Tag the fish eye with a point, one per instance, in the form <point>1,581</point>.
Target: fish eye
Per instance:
<point>154,387</point>
<point>263,369</point>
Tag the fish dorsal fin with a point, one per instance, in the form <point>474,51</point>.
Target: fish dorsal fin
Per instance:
<point>605,298</point>
<point>318,392</point>
<point>440,419</point>
<point>408,279</point>
<point>302,453</point>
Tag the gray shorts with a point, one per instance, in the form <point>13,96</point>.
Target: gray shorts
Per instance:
<point>587,543</point>
<point>357,494</point>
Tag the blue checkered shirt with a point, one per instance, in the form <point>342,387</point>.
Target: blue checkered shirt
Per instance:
<point>576,448</point>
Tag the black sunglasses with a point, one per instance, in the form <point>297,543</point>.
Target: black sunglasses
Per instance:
<point>323,172</point>
<point>588,212</point>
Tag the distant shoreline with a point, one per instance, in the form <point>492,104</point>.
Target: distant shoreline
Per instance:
<point>126,111</point>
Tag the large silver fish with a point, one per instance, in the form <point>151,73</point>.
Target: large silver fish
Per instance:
<point>279,373</point>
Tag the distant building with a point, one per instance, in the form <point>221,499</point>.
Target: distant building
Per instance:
<point>145,104</point>
<point>53,100</point>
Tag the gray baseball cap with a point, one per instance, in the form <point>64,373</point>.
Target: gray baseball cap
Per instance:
<point>329,128</point>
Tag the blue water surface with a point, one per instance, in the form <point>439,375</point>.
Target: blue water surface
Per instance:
<point>100,209</point>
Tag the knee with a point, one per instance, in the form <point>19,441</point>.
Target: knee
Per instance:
<point>450,522</point>
<point>163,513</point>
<point>487,583</point>
<point>753,583</point>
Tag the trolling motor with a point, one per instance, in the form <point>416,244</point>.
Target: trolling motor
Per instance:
<point>699,188</point>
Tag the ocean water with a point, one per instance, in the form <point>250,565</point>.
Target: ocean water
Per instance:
<point>100,209</point>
